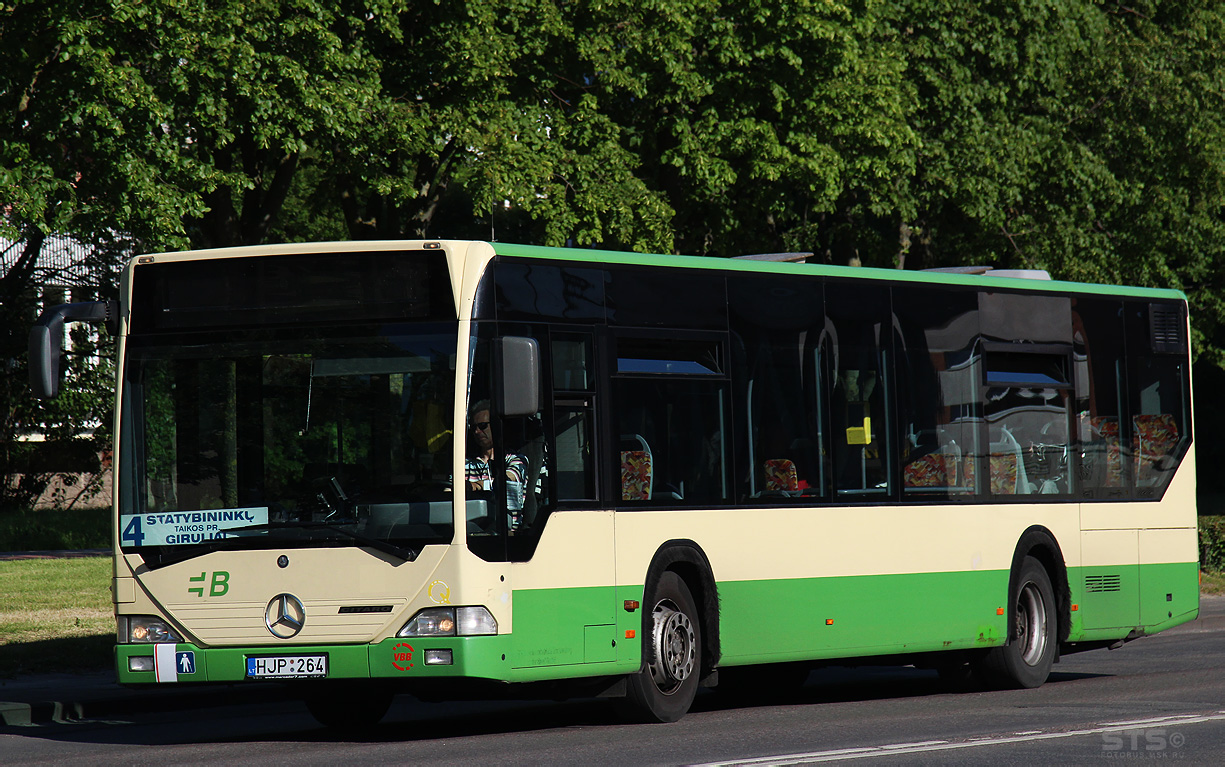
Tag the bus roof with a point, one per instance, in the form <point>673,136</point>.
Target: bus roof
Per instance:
<point>826,270</point>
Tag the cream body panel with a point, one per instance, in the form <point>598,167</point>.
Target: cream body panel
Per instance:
<point>1108,548</point>
<point>324,579</point>
<point>1176,508</point>
<point>575,551</point>
<point>468,261</point>
<point>775,543</point>
<point>1159,547</point>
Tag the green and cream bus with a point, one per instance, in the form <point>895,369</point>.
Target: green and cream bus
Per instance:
<point>672,468</point>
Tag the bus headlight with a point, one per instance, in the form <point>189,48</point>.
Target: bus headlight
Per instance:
<point>449,622</point>
<point>147,629</point>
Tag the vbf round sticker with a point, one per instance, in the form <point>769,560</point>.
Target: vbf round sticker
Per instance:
<point>402,654</point>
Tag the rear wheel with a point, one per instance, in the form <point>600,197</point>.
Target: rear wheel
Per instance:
<point>1027,658</point>
<point>664,689</point>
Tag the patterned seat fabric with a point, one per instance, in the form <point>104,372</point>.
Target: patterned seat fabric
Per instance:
<point>931,470</point>
<point>635,475</point>
<point>781,476</point>
<point>1004,469</point>
<point>1108,429</point>
<point>1154,438</point>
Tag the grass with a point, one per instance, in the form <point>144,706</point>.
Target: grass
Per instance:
<point>46,529</point>
<point>56,616</point>
<point>1212,583</point>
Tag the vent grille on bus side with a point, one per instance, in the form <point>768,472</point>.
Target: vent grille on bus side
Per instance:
<point>1095,584</point>
<point>1165,328</point>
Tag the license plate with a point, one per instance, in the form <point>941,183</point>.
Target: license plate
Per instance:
<point>286,666</point>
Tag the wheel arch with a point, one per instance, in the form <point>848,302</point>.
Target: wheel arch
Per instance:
<point>690,563</point>
<point>1040,543</point>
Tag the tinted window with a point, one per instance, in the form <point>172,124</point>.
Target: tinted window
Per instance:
<point>856,340</point>
<point>1159,423</point>
<point>533,292</point>
<point>938,392</point>
<point>671,432</point>
<point>291,289</point>
<point>1098,357</point>
<point>680,298</point>
<point>776,324</point>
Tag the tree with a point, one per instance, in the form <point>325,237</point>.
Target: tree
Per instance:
<point>763,124</point>
<point>154,126</point>
<point>1080,137</point>
<point>491,130</point>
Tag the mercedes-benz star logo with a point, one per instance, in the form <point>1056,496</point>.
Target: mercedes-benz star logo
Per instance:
<point>285,616</point>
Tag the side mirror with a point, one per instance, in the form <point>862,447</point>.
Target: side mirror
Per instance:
<point>518,360</point>
<point>46,336</point>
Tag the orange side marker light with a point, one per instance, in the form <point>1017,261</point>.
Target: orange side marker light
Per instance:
<point>630,634</point>
<point>999,611</point>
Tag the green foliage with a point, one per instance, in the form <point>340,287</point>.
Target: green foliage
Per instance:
<point>1084,137</point>
<point>76,426</point>
<point>55,529</point>
<point>1212,544</point>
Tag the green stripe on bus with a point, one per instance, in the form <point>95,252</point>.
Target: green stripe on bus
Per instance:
<point>1153,596</point>
<point>576,632</point>
<point>815,618</point>
<point>598,257</point>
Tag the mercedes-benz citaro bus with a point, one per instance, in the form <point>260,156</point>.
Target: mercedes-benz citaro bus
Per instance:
<point>466,468</point>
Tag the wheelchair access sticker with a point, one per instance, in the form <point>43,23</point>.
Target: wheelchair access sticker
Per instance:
<point>170,663</point>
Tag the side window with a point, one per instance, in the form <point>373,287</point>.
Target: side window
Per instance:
<point>509,490</point>
<point>1027,406</point>
<point>670,411</point>
<point>938,375</point>
<point>776,325</point>
<point>855,344</point>
<point>573,416</point>
<point>1098,359</point>
<point>1159,421</point>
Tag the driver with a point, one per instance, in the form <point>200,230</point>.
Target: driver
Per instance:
<point>477,471</point>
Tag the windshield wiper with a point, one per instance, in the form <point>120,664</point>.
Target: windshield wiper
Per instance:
<point>155,561</point>
<point>408,555</point>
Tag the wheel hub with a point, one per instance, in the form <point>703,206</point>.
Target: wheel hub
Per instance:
<point>1031,623</point>
<point>675,647</point>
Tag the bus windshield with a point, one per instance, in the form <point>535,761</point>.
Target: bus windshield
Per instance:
<point>257,438</point>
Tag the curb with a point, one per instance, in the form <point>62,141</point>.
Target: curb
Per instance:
<point>57,554</point>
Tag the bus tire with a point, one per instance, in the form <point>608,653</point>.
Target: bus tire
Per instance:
<point>1025,662</point>
<point>664,688</point>
<point>349,709</point>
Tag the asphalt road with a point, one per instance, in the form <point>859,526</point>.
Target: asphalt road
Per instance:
<point>1160,698</point>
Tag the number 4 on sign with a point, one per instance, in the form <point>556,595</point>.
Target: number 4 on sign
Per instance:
<point>133,534</point>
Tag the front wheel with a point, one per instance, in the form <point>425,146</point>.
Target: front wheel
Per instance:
<point>1027,658</point>
<point>664,689</point>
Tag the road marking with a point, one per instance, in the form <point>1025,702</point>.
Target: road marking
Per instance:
<point>948,745</point>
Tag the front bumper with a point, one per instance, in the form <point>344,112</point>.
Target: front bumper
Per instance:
<point>401,659</point>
